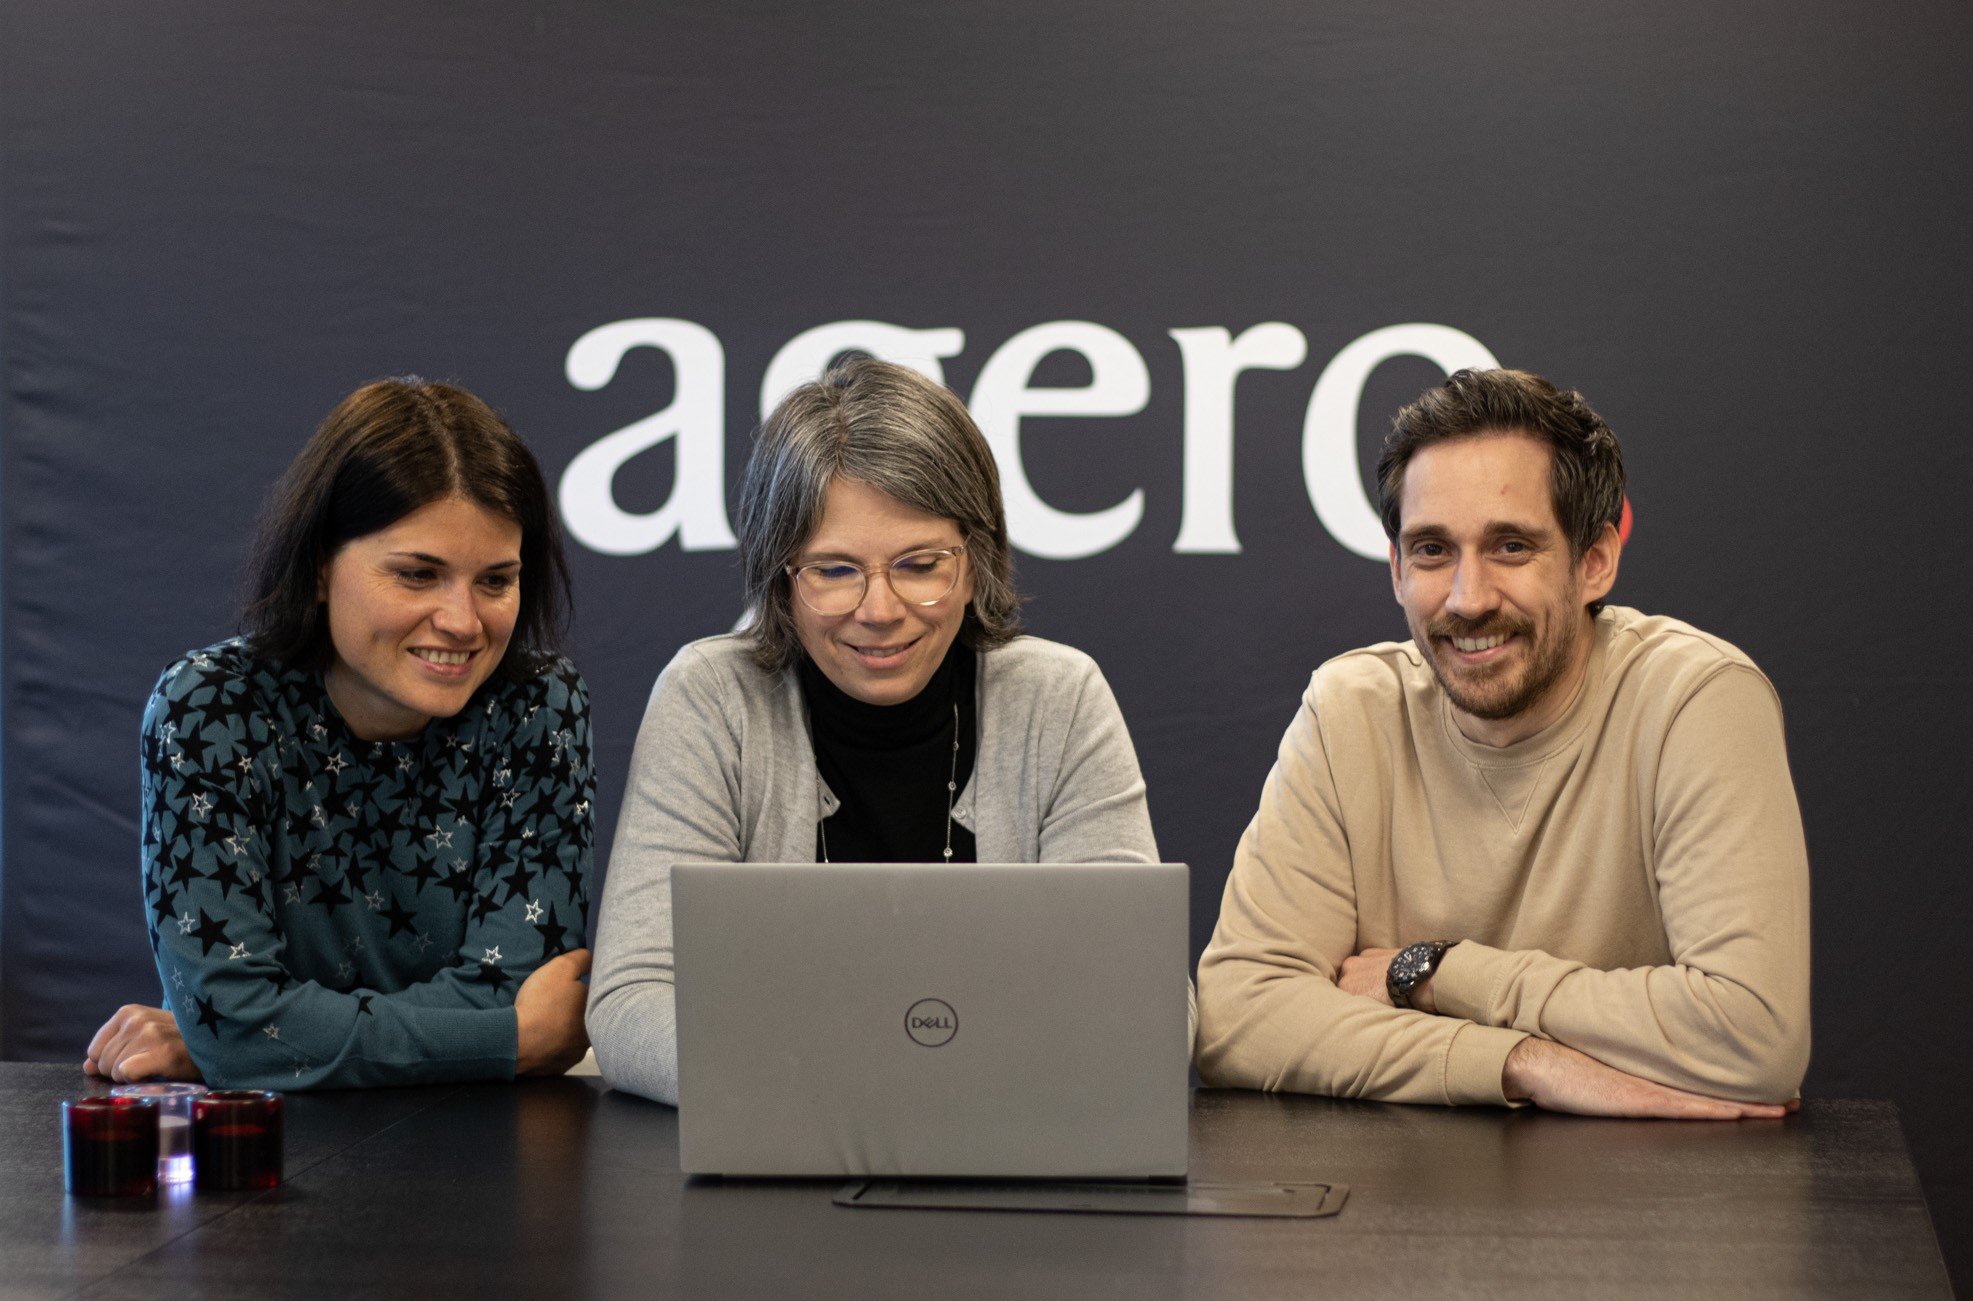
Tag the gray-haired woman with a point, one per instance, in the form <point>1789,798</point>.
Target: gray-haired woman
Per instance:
<point>882,706</point>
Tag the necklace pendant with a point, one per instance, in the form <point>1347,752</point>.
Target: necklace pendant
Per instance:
<point>948,855</point>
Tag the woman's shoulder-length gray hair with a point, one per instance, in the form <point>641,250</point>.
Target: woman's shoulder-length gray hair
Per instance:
<point>890,427</point>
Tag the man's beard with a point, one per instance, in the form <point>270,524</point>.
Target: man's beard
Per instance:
<point>1491,693</point>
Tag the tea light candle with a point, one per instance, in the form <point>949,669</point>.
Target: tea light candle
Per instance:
<point>110,1147</point>
<point>174,1124</point>
<point>236,1139</point>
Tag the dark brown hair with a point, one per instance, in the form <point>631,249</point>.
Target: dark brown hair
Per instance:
<point>1585,465</point>
<point>890,427</point>
<point>386,450</point>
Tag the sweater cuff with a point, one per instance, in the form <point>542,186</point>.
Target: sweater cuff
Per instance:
<point>1474,1061</point>
<point>468,1043</point>
<point>1463,983</point>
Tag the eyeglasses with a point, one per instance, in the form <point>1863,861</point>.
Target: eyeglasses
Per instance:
<point>838,586</point>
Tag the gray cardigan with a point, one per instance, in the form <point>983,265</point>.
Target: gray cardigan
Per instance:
<point>724,772</point>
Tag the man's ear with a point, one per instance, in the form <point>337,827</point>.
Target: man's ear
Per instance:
<point>1597,567</point>
<point>1397,574</point>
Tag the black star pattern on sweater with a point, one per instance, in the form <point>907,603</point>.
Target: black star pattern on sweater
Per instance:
<point>460,883</point>
<point>399,917</point>
<point>277,846</point>
<point>183,871</point>
<point>421,874</point>
<point>330,895</point>
<point>162,910</point>
<point>209,932</point>
<point>227,874</point>
<point>554,936</point>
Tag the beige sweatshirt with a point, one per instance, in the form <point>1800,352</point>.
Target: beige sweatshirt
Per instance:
<point>1631,882</point>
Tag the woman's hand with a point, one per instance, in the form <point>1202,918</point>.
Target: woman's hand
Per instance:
<point>548,1012</point>
<point>140,1043</point>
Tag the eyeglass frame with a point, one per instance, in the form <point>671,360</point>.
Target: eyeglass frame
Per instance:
<point>958,553</point>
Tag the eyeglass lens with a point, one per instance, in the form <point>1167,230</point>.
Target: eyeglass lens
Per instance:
<point>837,587</point>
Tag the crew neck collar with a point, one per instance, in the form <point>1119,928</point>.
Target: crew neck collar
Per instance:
<point>339,731</point>
<point>1558,735</point>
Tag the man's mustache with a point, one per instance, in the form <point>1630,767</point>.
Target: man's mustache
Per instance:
<point>1451,625</point>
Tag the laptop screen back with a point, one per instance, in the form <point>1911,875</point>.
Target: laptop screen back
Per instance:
<point>932,1019</point>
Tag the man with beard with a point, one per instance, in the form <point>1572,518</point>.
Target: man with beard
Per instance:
<point>1546,851</point>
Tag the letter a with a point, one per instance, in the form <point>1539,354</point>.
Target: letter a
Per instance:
<point>695,422</point>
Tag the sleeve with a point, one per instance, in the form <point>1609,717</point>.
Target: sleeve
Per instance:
<point>1730,1016</point>
<point>211,807</point>
<point>1270,1013</point>
<point>535,836</point>
<point>1097,812</point>
<point>681,804</point>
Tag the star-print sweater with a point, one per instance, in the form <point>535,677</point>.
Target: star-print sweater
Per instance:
<point>332,912</point>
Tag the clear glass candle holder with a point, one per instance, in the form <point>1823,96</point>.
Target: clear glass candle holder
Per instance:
<point>174,1124</point>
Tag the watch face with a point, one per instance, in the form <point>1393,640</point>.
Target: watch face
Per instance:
<point>1411,964</point>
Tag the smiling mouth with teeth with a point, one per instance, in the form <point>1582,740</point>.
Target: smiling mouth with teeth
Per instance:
<point>443,657</point>
<point>1471,644</point>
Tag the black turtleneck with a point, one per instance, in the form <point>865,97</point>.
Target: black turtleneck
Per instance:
<point>888,765</point>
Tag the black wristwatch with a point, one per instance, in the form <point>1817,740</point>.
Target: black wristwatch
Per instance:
<point>1411,968</point>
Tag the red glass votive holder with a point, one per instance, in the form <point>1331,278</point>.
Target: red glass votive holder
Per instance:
<point>110,1147</point>
<point>236,1140</point>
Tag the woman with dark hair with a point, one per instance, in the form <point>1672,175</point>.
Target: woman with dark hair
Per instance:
<point>882,705</point>
<point>367,822</point>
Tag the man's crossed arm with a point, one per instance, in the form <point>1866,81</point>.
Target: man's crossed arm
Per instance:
<point>1556,1077</point>
<point>1286,1001</point>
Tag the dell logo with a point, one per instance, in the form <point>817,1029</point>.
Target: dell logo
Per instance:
<point>931,1022</point>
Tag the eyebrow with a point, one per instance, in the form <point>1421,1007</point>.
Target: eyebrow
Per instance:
<point>817,557</point>
<point>425,557</point>
<point>1423,531</point>
<point>1491,529</point>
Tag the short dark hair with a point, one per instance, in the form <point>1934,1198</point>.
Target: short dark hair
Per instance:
<point>1585,465</point>
<point>388,449</point>
<point>888,426</point>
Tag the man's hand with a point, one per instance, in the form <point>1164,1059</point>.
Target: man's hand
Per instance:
<point>548,1013</point>
<point>140,1043</point>
<point>1558,1078</point>
<point>1365,973</point>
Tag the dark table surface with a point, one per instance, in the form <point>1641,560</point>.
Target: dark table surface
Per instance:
<point>560,1186</point>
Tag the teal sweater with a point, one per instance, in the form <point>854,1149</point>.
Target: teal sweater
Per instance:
<point>331,912</point>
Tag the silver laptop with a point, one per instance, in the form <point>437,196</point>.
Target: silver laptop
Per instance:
<point>1015,1020</point>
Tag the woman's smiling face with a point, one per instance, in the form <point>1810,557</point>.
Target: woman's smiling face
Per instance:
<point>420,613</point>
<point>884,651</point>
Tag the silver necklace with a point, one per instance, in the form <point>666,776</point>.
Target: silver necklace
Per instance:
<point>951,795</point>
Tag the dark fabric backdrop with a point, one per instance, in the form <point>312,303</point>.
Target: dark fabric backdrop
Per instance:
<point>1740,229</point>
